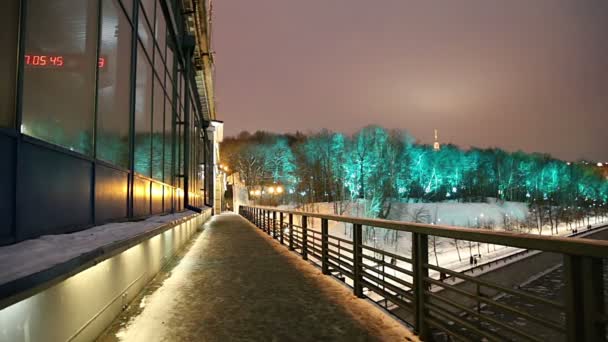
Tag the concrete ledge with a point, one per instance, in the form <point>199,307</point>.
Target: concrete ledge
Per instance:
<point>70,287</point>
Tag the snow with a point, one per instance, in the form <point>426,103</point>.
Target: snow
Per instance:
<point>442,213</point>
<point>33,256</point>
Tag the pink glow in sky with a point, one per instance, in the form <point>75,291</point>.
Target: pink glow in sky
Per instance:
<point>515,74</point>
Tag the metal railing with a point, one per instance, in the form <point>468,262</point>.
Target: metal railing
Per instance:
<point>414,290</point>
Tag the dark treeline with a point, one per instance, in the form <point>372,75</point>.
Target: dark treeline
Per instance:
<point>384,166</point>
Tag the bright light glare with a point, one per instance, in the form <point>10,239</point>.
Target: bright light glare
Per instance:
<point>279,189</point>
<point>271,190</point>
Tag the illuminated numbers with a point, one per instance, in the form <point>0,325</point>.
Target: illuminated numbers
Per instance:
<point>43,60</point>
<point>102,62</point>
<point>56,60</point>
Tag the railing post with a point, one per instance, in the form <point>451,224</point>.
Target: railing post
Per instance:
<point>358,260</point>
<point>267,220</point>
<point>325,246</point>
<point>420,257</point>
<point>584,298</point>
<point>290,231</point>
<point>281,227</point>
<point>257,217</point>
<point>274,225</point>
<point>304,237</point>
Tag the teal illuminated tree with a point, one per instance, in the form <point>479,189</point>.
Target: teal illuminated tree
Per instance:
<point>376,168</point>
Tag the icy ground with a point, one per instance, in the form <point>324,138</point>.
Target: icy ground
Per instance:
<point>235,284</point>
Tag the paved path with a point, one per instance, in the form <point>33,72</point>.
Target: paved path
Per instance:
<point>236,284</point>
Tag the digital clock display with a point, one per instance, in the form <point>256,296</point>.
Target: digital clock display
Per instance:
<point>57,61</point>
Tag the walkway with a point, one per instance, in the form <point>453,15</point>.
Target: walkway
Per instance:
<point>236,284</point>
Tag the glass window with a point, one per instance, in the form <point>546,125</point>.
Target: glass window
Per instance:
<point>59,79</point>
<point>180,149</point>
<point>143,113</point>
<point>144,32</point>
<point>170,61</point>
<point>169,85</point>
<point>113,86</point>
<point>149,8</point>
<point>9,28</point>
<point>182,91</point>
<point>158,121</point>
<point>168,142</point>
<point>160,32</point>
<point>128,5</point>
<point>159,66</point>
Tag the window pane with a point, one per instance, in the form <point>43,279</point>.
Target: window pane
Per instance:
<point>113,86</point>
<point>9,24</point>
<point>149,8</point>
<point>160,31</point>
<point>59,79</point>
<point>182,90</point>
<point>168,142</point>
<point>170,61</point>
<point>180,150</point>
<point>169,86</point>
<point>157,131</point>
<point>128,4</point>
<point>159,66</point>
<point>144,32</point>
<point>143,113</point>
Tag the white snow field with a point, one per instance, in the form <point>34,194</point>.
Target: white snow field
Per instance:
<point>446,253</point>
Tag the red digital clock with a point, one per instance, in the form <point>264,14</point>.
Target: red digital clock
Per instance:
<point>56,61</point>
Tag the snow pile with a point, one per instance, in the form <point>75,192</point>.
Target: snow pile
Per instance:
<point>36,255</point>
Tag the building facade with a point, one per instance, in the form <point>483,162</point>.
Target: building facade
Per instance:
<point>104,110</point>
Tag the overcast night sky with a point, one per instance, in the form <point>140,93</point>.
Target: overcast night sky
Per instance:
<point>515,74</point>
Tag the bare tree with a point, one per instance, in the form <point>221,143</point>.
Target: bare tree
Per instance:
<point>420,214</point>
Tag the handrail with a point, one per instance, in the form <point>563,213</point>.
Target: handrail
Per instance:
<point>406,285</point>
<point>562,245</point>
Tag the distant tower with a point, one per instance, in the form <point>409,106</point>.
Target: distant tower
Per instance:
<point>436,145</point>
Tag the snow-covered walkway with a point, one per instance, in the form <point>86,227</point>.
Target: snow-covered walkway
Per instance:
<point>236,284</point>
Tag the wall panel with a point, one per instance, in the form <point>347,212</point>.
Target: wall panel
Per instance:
<point>141,197</point>
<point>157,198</point>
<point>110,194</point>
<point>7,181</point>
<point>168,199</point>
<point>57,188</point>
